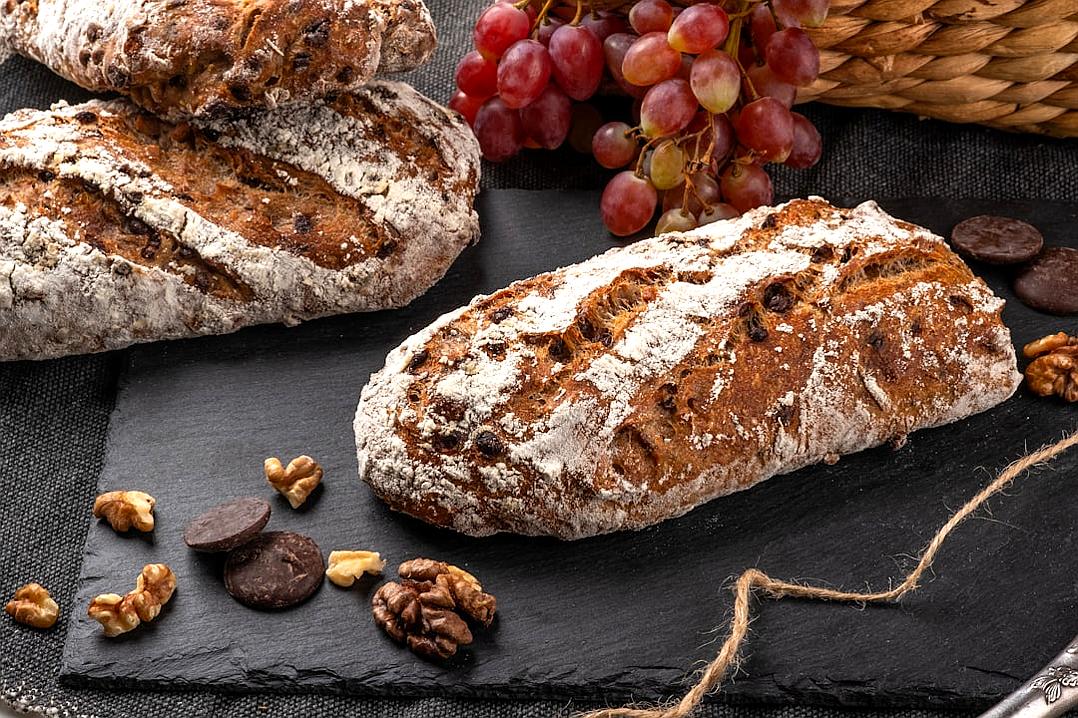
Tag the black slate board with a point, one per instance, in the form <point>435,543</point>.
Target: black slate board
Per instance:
<point>616,617</point>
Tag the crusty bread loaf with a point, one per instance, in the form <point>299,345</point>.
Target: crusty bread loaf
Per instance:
<point>217,57</point>
<point>116,227</point>
<point>631,387</point>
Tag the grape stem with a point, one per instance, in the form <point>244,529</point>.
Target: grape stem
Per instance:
<point>579,12</point>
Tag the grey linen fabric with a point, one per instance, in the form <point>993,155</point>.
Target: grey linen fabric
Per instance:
<point>54,415</point>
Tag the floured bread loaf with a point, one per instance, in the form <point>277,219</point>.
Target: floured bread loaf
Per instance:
<point>116,227</point>
<point>215,57</point>
<point>631,387</point>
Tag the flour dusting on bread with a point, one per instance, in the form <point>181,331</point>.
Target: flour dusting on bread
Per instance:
<point>635,385</point>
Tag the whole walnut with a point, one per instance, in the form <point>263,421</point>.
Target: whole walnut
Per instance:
<point>424,610</point>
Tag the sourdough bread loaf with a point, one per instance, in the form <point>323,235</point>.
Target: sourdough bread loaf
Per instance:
<point>634,386</point>
<point>219,57</point>
<point>117,227</point>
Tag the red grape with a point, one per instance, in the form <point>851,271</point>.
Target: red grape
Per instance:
<point>477,76</point>
<point>547,120</point>
<point>703,193</point>
<point>685,71</point>
<point>586,121</point>
<point>746,186</point>
<point>765,84</point>
<point>675,220</point>
<point>466,105</point>
<point>715,80</point>
<point>612,145</point>
<point>523,73</point>
<point>547,29</point>
<point>499,131</point>
<point>765,126</point>
<point>723,134</point>
<point>719,210</point>
<point>604,25</point>
<point>668,108</point>
<point>651,16</point>
<point>798,13</point>
<point>793,57</point>
<point>577,56</point>
<point>807,145</point>
<point>650,60</point>
<point>628,204</point>
<point>614,49</point>
<point>498,28</point>
<point>698,29</point>
<point>761,27</point>
<point>667,168</point>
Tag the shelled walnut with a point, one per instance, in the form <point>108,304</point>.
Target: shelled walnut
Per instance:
<point>1054,369</point>
<point>423,610</point>
<point>120,614</point>
<point>296,481</point>
<point>125,510</point>
<point>33,606</point>
<point>346,566</point>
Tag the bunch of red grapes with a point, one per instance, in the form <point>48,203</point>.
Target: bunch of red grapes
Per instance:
<point>712,104</point>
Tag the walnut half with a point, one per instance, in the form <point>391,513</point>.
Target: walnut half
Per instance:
<point>33,606</point>
<point>125,510</point>
<point>1054,369</point>
<point>296,481</point>
<point>346,566</point>
<point>119,614</point>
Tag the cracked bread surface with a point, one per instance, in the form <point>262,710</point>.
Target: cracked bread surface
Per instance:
<point>117,227</point>
<point>182,58</point>
<point>634,386</point>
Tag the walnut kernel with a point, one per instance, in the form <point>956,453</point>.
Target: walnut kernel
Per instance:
<point>125,510</point>
<point>296,481</point>
<point>33,606</point>
<point>120,614</point>
<point>1054,369</point>
<point>346,566</point>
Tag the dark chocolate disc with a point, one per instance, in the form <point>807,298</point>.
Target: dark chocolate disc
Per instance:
<point>1050,282</point>
<point>227,525</point>
<point>997,240</point>
<point>277,569</point>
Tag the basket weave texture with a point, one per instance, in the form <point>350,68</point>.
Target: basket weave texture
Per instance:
<point>1011,64</point>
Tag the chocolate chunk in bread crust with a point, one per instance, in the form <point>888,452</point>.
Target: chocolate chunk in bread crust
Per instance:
<point>227,525</point>
<point>997,240</point>
<point>277,569</point>
<point>1050,282</point>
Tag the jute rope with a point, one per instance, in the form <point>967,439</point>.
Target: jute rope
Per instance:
<point>754,580</point>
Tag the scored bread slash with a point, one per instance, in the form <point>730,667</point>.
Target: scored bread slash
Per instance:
<point>636,385</point>
<point>117,227</point>
<point>277,569</point>
<point>227,525</point>
<point>213,58</point>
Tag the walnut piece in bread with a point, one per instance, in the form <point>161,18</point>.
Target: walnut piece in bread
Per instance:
<point>117,227</point>
<point>634,386</point>
<point>183,58</point>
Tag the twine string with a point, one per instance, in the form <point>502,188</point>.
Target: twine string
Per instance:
<point>753,580</point>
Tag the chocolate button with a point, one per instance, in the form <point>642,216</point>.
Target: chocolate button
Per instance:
<point>997,240</point>
<point>228,525</point>
<point>1050,282</point>
<point>277,569</point>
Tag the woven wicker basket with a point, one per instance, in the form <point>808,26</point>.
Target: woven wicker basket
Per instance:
<point>1011,64</point>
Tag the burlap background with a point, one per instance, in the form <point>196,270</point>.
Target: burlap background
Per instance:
<point>54,415</point>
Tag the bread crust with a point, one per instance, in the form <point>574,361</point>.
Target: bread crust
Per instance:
<point>634,386</point>
<point>117,227</point>
<point>203,58</point>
